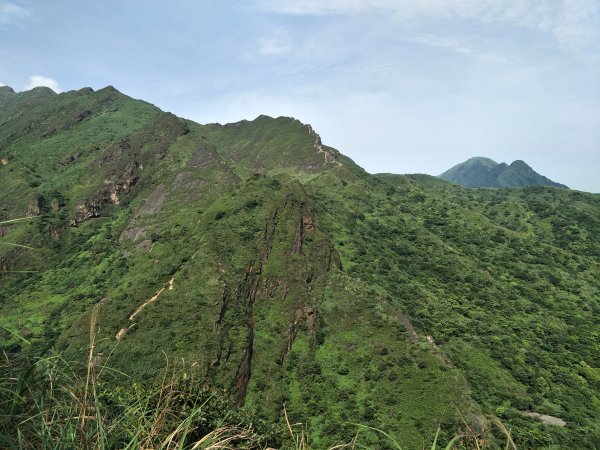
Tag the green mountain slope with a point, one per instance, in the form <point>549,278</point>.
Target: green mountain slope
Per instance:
<point>484,172</point>
<point>285,274</point>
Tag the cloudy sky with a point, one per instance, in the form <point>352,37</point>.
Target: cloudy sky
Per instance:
<point>400,86</point>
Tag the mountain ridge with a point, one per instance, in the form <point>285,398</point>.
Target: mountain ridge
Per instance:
<point>283,273</point>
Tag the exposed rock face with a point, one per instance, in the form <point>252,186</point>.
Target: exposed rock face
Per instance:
<point>121,181</point>
<point>134,231</point>
<point>156,138</point>
<point>307,225</point>
<point>202,157</point>
<point>79,117</point>
<point>186,180</point>
<point>110,154</point>
<point>34,208</point>
<point>154,202</point>
<point>245,302</point>
<point>330,156</point>
<point>127,157</point>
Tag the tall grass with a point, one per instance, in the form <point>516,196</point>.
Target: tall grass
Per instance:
<point>48,403</point>
<point>45,403</point>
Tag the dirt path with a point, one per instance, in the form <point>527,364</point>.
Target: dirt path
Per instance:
<point>151,299</point>
<point>550,420</point>
<point>139,309</point>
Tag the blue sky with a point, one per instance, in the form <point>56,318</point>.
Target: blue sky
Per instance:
<point>400,86</point>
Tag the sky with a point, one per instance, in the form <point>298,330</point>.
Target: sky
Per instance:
<point>402,86</point>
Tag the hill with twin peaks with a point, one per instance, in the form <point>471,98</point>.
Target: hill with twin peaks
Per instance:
<point>282,273</point>
<point>484,172</point>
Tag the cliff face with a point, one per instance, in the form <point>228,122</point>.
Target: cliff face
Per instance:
<point>282,273</point>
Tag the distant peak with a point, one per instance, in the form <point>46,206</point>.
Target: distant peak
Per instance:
<point>482,159</point>
<point>484,172</point>
<point>267,118</point>
<point>519,163</point>
<point>108,89</point>
<point>6,90</point>
<point>43,90</point>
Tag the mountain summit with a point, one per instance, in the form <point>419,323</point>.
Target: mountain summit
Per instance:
<point>484,172</point>
<point>6,91</point>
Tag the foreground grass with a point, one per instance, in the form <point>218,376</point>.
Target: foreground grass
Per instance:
<point>45,403</point>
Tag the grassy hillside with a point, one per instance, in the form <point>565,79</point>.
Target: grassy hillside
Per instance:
<point>284,274</point>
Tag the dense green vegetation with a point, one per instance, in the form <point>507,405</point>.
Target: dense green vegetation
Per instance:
<point>284,274</point>
<point>484,172</point>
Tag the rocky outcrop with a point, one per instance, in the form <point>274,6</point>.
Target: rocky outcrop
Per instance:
<point>121,181</point>
<point>154,202</point>
<point>77,118</point>
<point>331,156</point>
<point>136,231</point>
<point>155,139</point>
<point>186,180</point>
<point>247,292</point>
<point>202,157</point>
<point>306,225</point>
<point>110,154</point>
<point>34,208</point>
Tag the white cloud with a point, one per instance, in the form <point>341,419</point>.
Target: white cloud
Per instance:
<point>273,46</point>
<point>38,80</point>
<point>575,24</point>
<point>578,25</point>
<point>442,42</point>
<point>459,46</point>
<point>319,7</point>
<point>11,12</point>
